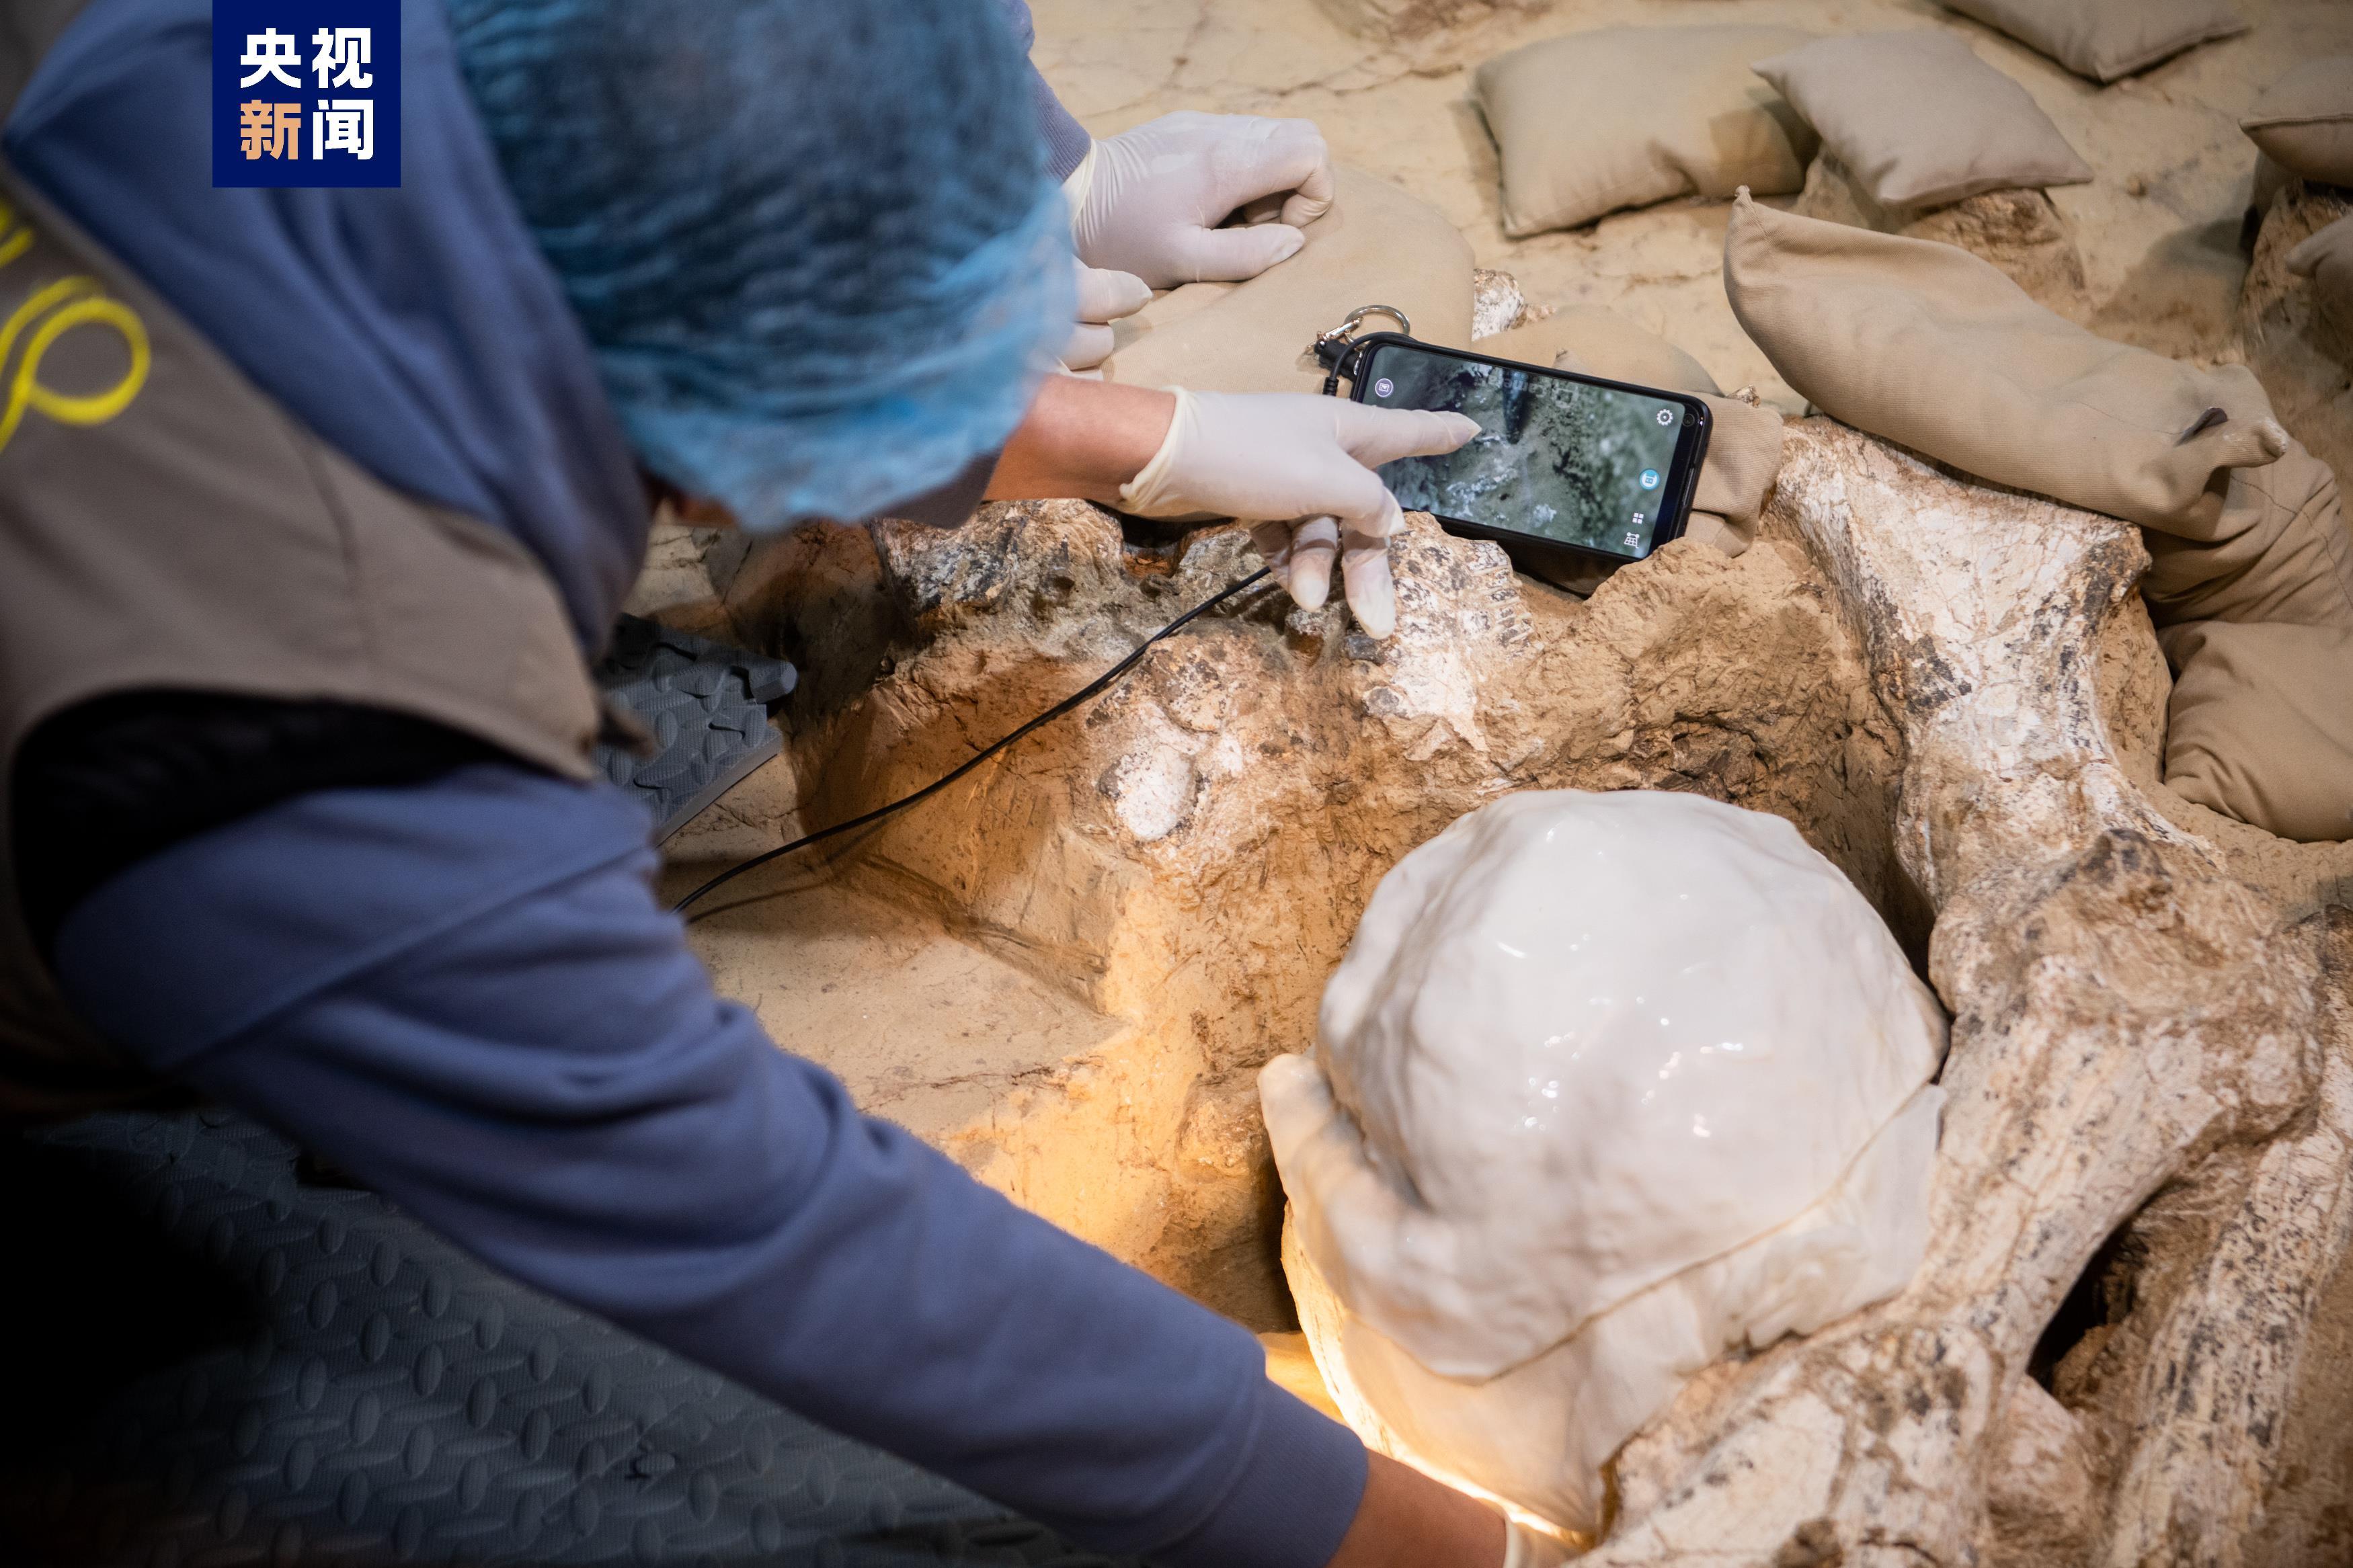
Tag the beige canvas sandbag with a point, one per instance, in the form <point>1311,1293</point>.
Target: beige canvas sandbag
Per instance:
<point>1377,246</point>
<point>2021,231</point>
<point>2277,552</point>
<point>1928,345</point>
<point>1623,117</point>
<point>1744,447</point>
<point>2257,726</point>
<point>1594,341</point>
<point>1744,458</point>
<point>1919,119</point>
<point>2303,121</point>
<point>2258,624</point>
<point>2105,39</point>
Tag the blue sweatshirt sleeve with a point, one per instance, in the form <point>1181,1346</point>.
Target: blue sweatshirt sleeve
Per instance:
<point>466,994</point>
<point>1066,142</point>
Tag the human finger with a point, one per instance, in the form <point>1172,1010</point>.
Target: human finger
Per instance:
<point>1287,157</point>
<point>1365,572</point>
<point>1265,209</point>
<point>1106,295</point>
<point>1314,542</point>
<point>1089,345</point>
<point>1315,194</point>
<point>1276,546</point>
<point>1234,255</point>
<point>1376,436</point>
<point>1274,542</point>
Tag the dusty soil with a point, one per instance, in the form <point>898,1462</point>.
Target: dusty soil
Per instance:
<point>1183,863</point>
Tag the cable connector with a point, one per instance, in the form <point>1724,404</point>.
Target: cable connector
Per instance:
<point>1333,348</point>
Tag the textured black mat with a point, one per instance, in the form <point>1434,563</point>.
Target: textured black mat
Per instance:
<point>217,1365</point>
<point>706,704</point>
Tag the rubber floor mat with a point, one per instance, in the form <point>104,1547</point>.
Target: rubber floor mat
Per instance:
<point>706,705</point>
<point>220,1363</point>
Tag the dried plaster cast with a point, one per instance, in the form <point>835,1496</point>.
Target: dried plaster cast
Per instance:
<point>1607,1085</point>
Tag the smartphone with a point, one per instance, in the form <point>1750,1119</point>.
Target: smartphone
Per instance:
<point>1567,462</point>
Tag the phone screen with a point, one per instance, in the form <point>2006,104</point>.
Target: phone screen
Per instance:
<point>1564,460</point>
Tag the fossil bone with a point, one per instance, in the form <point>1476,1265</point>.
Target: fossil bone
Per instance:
<point>2128,1018</point>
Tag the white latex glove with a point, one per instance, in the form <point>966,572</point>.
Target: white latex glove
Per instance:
<point>1149,200</point>
<point>1301,467</point>
<point>1104,297</point>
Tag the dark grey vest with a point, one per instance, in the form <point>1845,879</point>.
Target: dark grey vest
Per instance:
<point>165,524</point>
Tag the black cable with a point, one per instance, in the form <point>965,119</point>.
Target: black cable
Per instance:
<point>1093,688</point>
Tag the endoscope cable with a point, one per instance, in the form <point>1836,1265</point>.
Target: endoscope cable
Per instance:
<point>1079,698</point>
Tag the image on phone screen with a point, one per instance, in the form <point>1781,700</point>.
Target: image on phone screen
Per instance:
<point>1564,461</point>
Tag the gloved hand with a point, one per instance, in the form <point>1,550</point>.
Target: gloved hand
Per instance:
<point>1300,467</point>
<point>1104,297</point>
<point>1149,201</point>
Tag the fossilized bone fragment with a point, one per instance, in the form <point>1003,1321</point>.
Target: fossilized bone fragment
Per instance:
<point>1607,1086</point>
<point>2127,1020</point>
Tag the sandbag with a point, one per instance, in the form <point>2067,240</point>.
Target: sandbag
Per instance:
<point>2303,121</point>
<point>2257,622</point>
<point>1377,246</point>
<point>1920,119</point>
<point>1594,341</point>
<point>2251,580</point>
<point>2258,730</point>
<point>1744,458</point>
<point>2277,552</point>
<point>1623,117</point>
<point>1744,450</point>
<point>2021,231</point>
<point>2105,39</point>
<point>1928,345</point>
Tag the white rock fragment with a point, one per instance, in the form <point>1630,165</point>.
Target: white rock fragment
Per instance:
<point>1150,793</point>
<point>1608,1084</point>
<point>1496,303</point>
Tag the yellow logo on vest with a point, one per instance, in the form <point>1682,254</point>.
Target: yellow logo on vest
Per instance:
<point>38,321</point>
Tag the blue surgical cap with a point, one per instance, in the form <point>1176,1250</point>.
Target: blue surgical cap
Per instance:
<point>812,241</point>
